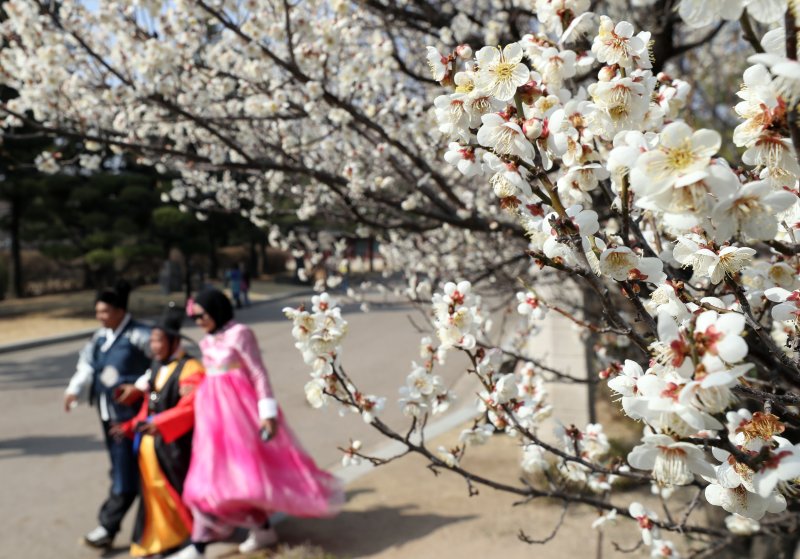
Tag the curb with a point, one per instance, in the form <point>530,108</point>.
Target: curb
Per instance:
<point>86,333</point>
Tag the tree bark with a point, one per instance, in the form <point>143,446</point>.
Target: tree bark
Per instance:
<point>16,248</point>
<point>187,276</point>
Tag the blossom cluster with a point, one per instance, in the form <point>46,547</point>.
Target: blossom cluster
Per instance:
<point>689,237</point>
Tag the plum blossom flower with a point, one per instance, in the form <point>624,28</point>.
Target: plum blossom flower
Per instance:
<point>751,211</point>
<point>456,316</point>
<point>449,456</point>
<point>645,518</point>
<point>505,137</point>
<point>46,163</point>
<point>672,462</point>
<point>741,525</point>
<point>500,73</point>
<point>453,117</point>
<point>700,13</point>
<point>718,337</point>
<point>420,383</point>
<point>437,63</point>
<point>664,549</point>
<point>738,500</point>
<point>625,384</point>
<point>620,104</point>
<point>477,435</point>
<point>729,261</point>
<point>529,305</point>
<point>760,105</point>
<point>555,66</point>
<point>773,154</point>
<point>350,456</point>
<point>556,14</point>
<point>534,459</point>
<point>783,464</point>
<point>609,518</point>
<point>464,158</point>
<point>315,392</point>
<point>616,44</point>
<point>622,264</point>
<point>788,307</point>
<point>681,158</point>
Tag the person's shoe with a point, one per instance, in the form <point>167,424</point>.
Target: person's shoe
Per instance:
<point>259,539</point>
<point>99,537</point>
<point>188,552</point>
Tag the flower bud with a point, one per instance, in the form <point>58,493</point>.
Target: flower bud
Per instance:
<point>464,51</point>
<point>532,128</point>
<point>607,73</point>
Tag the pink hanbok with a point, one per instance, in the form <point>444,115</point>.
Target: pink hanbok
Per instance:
<point>236,479</point>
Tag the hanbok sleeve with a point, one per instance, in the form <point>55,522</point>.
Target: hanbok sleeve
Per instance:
<point>175,422</point>
<point>129,426</point>
<point>246,346</point>
<point>143,382</point>
<point>84,370</point>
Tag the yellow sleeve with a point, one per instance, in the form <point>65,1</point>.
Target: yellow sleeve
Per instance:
<point>192,367</point>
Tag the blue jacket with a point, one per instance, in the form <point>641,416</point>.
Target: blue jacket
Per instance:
<point>122,363</point>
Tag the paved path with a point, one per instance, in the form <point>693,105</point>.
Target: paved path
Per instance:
<point>54,469</point>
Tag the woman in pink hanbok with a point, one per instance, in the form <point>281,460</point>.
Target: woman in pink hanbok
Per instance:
<point>246,463</point>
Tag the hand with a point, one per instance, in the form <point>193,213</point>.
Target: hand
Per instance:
<point>269,426</point>
<point>127,394</point>
<point>70,401</point>
<point>116,432</point>
<point>147,428</point>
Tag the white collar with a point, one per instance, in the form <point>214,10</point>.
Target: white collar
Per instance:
<point>112,335</point>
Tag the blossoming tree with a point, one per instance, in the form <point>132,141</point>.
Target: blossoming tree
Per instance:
<point>565,152</point>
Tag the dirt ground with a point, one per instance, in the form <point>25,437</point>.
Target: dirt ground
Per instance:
<point>404,510</point>
<point>64,313</point>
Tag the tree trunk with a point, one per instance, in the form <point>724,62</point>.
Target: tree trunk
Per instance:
<point>262,247</point>
<point>187,276</point>
<point>16,248</point>
<point>213,261</point>
<point>252,265</point>
<point>370,244</point>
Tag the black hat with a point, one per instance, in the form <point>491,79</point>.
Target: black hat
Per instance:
<point>171,320</point>
<point>217,305</point>
<point>116,296</point>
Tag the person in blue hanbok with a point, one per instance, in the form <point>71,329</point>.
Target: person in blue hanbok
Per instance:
<point>108,366</point>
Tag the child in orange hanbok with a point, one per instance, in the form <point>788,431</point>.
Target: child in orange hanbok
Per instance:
<point>162,433</point>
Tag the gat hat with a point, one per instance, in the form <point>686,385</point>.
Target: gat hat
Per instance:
<point>171,320</point>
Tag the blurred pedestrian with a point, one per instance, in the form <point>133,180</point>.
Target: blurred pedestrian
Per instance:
<point>245,286</point>
<point>114,358</point>
<point>233,280</point>
<point>162,434</point>
<point>246,463</point>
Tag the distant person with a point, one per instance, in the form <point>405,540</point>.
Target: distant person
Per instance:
<point>233,279</point>
<point>162,433</point>
<point>246,463</point>
<point>116,356</point>
<point>245,286</point>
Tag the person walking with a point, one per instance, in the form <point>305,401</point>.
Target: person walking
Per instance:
<point>246,463</point>
<point>114,358</point>
<point>245,285</point>
<point>162,433</point>
<point>233,279</point>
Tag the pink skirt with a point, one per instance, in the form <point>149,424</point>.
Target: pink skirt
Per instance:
<point>236,479</point>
